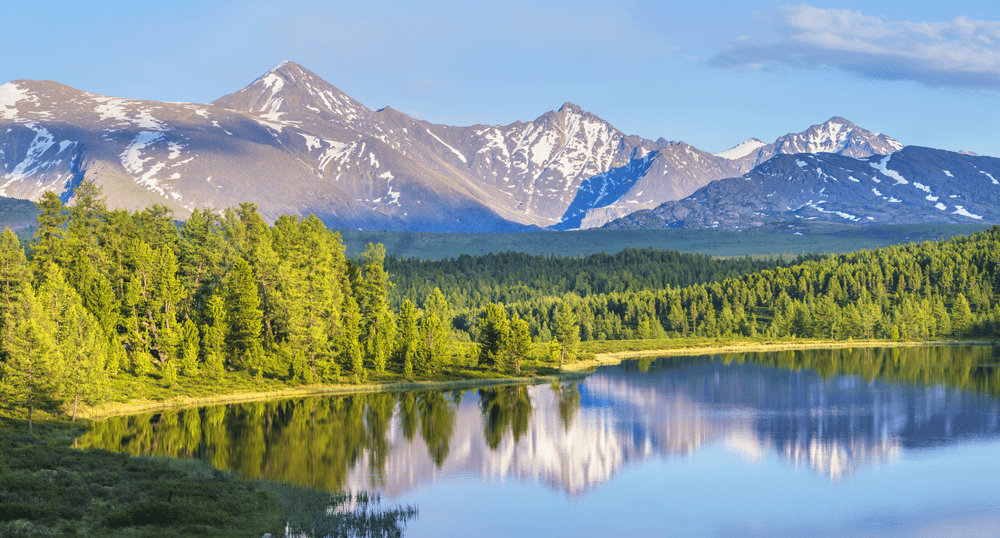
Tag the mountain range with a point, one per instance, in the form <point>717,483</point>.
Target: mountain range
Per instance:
<point>912,185</point>
<point>293,143</point>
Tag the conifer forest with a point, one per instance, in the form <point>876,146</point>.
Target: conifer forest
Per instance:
<point>99,295</point>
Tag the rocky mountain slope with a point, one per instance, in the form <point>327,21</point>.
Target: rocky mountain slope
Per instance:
<point>293,143</point>
<point>835,135</point>
<point>913,185</point>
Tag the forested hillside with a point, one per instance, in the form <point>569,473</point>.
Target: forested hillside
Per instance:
<point>105,295</point>
<point>917,291</point>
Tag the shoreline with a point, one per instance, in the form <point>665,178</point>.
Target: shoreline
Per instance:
<point>134,407</point>
<point>613,358</point>
<point>573,371</point>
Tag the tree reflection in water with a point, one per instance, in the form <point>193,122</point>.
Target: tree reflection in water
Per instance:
<point>505,409</point>
<point>319,442</point>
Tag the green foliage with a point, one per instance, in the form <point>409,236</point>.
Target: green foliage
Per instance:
<point>243,337</point>
<point>50,489</point>
<point>131,300</point>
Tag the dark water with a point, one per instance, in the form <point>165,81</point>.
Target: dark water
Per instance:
<point>862,442</point>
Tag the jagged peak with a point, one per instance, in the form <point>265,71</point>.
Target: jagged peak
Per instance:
<point>289,87</point>
<point>282,65</point>
<point>837,120</point>
<point>571,107</point>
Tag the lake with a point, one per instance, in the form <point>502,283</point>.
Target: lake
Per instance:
<point>845,442</point>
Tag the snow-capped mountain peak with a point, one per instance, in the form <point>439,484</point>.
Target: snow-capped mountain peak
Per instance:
<point>837,135</point>
<point>290,90</point>
<point>741,150</point>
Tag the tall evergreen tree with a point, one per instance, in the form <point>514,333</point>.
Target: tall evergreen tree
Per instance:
<point>435,336</point>
<point>567,332</point>
<point>377,325</point>
<point>79,340</point>
<point>30,374</point>
<point>408,339</point>
<point>494,331</point>
<point>243,338</point>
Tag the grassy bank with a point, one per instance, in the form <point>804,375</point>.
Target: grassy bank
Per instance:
<point>461,373</point>
<point>602,354</point>
<point>48,488</point>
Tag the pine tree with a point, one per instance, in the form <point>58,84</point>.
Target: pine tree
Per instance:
<point>243,337</point>
<point>79,340</point>
<point>518,343</point>
<point>961,316</point>
<point>30,374</point>
<point>50,232</point>
<point>190,345</point>
<point>407,341</point>
<point>435,336</point>
<point>213,335</point>
<point>377,326</point>
<point>494,329</point>
<point>567,332</point>
<point>350,344</point>
<point>14,276</point>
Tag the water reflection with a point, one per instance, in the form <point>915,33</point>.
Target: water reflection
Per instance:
<point>832,411</point>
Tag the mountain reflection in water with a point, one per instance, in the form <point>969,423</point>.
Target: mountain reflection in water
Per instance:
<point>832,411</point>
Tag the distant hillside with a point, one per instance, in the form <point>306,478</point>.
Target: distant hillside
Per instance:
<point>913,185</point>
<point>812,237</point>
<point>17,214</point>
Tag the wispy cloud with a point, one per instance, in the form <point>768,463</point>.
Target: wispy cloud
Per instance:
<point>962,53</point>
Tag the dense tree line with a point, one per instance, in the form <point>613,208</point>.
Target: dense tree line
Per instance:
<point>937,289</point>
<point>513,277</point>
<point>102,293</point>
<point>110,293</point>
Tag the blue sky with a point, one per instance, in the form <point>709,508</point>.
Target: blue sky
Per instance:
<point>710,73</point>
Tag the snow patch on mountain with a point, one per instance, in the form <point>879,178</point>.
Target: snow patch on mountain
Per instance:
<point>111,108</point>
<point>741,150</point>
<point>453,150</point>
<point>10,95</point>
<point>131,158</point>
<point>882,166</point>
<point>32,162</point>
<point>959,210</point>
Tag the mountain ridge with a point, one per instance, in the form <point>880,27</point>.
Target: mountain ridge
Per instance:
<point>294,143</point>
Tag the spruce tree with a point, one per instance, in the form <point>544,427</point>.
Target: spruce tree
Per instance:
<point>494,329</point>
<point>435,336</point>
<point>377,325</point>
<point>30,374</point>
<point>567,332</point>
<point>190,345</point>
<point>407,341</point>
<point>79,341</point>
<point>243,338</point>
<point>213,334</point>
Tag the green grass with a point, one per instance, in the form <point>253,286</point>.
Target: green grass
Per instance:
<point>817,238</point>
<point>48,488</point>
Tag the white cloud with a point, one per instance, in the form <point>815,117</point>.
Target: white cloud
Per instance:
<point>961,53</point>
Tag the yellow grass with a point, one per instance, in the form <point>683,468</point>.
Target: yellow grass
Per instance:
<point>711,348</point>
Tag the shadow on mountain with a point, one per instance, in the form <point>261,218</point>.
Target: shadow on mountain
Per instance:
<point>604,190</point>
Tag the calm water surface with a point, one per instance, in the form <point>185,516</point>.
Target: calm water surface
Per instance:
<point>862,442</point>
